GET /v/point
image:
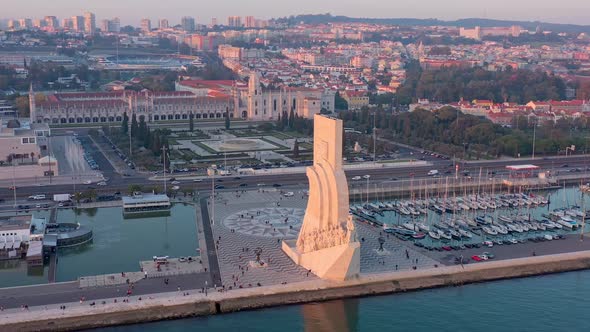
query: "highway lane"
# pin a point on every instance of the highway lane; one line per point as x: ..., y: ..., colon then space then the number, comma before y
x: 445, y: 167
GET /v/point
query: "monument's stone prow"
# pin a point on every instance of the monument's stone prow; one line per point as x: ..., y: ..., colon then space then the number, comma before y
x: 327, y: 243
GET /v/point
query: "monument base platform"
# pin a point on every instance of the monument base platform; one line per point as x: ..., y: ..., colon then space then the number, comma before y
x: 338, y: 263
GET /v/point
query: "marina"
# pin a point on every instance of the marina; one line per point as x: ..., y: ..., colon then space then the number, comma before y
x: 442, y: 222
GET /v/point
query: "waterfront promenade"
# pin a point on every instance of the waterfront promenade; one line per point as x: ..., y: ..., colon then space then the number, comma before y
x: 177, y: 304
x: 262, y: 218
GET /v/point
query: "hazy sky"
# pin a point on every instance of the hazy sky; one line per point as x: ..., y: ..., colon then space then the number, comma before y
x: 131, y: 11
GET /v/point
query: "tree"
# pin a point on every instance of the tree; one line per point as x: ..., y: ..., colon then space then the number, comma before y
x: 142, y: 129
x: 22, y: 105
x: 339, y: 102
x: 134, y: 188
x: 134, y: 126
x: 227, y: 121
x: 291, y: 119
x: 125, y: 123
x: 191, y: 122
x: 296, y: 149
x: 32, y: 157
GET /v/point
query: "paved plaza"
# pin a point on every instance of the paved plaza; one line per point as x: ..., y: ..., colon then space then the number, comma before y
x: 247, y: 220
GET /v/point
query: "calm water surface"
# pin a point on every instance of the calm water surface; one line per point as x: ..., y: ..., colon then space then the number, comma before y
x: 548, y: 303
x: 118, y: 245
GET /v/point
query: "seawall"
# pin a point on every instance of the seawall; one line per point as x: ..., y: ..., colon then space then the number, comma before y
x: 172, y: 306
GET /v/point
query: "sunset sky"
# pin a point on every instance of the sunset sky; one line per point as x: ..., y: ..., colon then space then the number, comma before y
x: 131, y: 11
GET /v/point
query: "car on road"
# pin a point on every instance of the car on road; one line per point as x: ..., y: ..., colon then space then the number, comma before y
x: 101, y: 183
x: 175, y: 188
x: 564, y: 166
x: 488, y: 255
x: 198, y: 180
x: 219, y: 187
x: 476, y: 258
x: 175, y: 182
x: 356, y: 178
x: 289, y: 194
x: 243, y: 184
x: 237, y: 178
x: 88, y: 182
x: 12, y: 187
x: 38, y: 206
x: 37, y: 197
x: 366, y: 176
x: 488, y: 244
x: 276, y: 185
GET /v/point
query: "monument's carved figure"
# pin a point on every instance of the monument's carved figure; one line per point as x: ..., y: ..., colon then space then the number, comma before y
x: 327, y: 242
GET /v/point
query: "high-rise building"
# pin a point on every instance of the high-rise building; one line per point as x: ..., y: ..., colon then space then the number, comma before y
x: 67, y: 23
x: 234, y: 21
x: 250, y: 22
x: 51, y: 22
x: 78, y: 23
x: 89, y: 23
x: 146, y: 25
x: 38, y: 23
x: 113, y: 25
x: 13, y: 25
x: 163, y: 24
x: 188, y: 24
x: 214, y: 21
x: 25, y: 23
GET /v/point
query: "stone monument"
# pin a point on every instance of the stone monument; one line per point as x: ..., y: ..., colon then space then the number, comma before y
x: 327, y: 243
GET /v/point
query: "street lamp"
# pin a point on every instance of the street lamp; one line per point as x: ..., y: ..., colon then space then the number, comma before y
x: 367, y: 177
x: 211, y: 172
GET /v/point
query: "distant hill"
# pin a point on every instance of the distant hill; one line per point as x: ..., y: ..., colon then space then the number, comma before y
x: 467, y: 22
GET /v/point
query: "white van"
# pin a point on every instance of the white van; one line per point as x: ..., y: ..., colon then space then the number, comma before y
x: 433, y: 172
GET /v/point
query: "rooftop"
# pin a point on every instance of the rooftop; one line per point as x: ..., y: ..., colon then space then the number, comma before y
x: 145, y: 198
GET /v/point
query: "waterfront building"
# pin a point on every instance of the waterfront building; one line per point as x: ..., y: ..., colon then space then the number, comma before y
x: 14, y: 231
x: 141, y: 203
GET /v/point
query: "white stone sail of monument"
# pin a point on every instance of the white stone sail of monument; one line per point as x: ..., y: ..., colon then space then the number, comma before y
x: 327, y: 243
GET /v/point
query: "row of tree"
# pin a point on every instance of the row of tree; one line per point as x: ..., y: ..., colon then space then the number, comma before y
x: 451, y: 132
x: 451, y: 84
x: 292, y: 121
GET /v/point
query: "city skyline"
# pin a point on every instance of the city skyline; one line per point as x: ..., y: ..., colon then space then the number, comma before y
x: 569, y: 11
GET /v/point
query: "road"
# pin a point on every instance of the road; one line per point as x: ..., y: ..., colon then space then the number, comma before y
x: 118, y: 183
x: 47, y: 294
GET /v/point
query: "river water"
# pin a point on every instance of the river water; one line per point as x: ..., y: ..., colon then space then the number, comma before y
x: 547, y: 303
